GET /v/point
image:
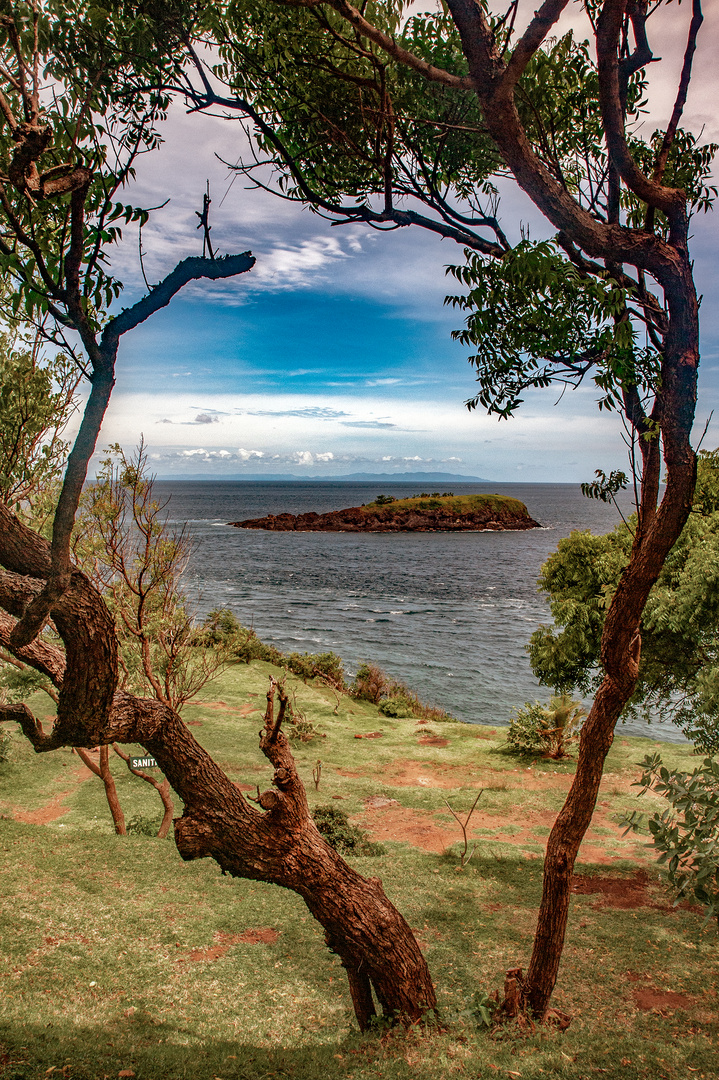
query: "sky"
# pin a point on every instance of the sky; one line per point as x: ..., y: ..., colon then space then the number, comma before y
x: 333, y: 355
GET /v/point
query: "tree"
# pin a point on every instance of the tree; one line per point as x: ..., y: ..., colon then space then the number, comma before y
x: 610, y: 296
x: 67, y: 149
x: 678, y: 676
x: 37, y: 398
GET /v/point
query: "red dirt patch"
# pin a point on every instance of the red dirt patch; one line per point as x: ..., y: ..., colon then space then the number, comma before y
x: 649, y: 998
x: 615, y: 892
x: 409, y: 826
x: 427, y: 774
x: 262, y: 935
x: 371, y: 735
x: 198, y: 955
x: 433, y: 740
x: 379, y: 802
x: 53, y: 809
x: 193, y: 723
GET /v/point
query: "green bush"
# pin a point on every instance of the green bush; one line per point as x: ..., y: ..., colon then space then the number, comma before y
x: 326, y: 666
x: 545, y: 729
x: 346, y: 839
x: 393, y: 698
x: 222, y: 628
x: 397, y: 707
x: 144, y: 826
x: 686, y: 834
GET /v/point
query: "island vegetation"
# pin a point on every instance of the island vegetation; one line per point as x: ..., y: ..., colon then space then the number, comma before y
x: 420, y: 513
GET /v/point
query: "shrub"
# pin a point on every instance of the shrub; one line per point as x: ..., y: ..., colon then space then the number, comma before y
x: 686, y: 834
x: 144, y: 826
x: 397, y: 707
x: 219, y: 626
x: 393, y: 698
x: 370, y: 684
x: 545, y: 729
x: 384, y: 500
x: 326, y: 666
x: 346, y: 839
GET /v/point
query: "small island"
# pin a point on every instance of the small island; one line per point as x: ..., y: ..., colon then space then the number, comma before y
x: 421, y: 513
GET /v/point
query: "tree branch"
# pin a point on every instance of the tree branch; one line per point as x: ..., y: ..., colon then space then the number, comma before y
x: 670, y: 201
x: 191, y: 269
x: 685, y: 78
x: 397, y: 52
x: 531, y: 39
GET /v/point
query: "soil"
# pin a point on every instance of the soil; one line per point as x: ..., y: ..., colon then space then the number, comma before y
x: 433, y: 740
x: 414, y: 827
x: 625, y: 893
x: 431, y: 833
x: 222, y: 706
x: 649, y: 998
x: 53, y: 809
x: 615, y: 892
x: 262, y: 935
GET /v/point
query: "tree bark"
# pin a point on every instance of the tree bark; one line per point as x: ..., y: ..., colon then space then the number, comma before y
x: 103, y: 771
x: 276, y: 842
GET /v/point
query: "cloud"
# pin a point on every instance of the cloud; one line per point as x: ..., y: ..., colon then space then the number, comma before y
x: 367, y: 424
x: 246, y: 455
x: 310, y: 412
x: 206, y: 418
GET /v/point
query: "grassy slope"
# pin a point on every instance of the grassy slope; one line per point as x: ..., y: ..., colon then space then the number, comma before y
x: 104, y: 962
x: 458, y: 504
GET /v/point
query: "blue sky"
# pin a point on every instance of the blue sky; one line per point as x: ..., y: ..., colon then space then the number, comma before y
x: 334, y: 354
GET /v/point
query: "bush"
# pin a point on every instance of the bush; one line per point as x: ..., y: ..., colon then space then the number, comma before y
x: 546, y: 729
x: 370, y: 684
x: 397, y: 707
x: 393, y: 698
x: 5, y: 741
x: 686, y: 834
x: 222, y: 628
x: 326, y: 666
x: 384, y: 500
x: 346, y: 839
x: 144, y: 826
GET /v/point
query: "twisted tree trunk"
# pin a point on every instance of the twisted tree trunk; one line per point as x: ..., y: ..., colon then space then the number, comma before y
x: 276, y: 842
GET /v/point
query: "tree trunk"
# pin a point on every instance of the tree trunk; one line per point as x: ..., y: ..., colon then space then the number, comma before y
x: 657, y: 531
x: 162, y: 789
x: 276, y: 842
x: 103, y: 771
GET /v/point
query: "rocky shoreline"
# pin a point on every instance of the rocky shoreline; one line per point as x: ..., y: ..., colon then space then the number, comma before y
x: 476, y: 513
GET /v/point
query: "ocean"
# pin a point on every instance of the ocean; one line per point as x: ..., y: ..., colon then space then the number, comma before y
x: 449, y: 614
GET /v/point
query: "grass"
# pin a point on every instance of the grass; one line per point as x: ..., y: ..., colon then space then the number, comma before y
x: 117, y: 956
x: 458, y: 504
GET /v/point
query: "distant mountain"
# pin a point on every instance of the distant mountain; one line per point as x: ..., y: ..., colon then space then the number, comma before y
x: 357, y: 478
x: 408, y: 477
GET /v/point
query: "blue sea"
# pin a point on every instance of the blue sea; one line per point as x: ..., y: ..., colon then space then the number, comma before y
x: 449, y: 614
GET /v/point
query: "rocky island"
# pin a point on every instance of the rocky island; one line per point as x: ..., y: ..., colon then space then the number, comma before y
x: 421, y: 513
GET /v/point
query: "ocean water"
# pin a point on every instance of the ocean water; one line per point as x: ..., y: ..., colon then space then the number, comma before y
x: 450, y: 614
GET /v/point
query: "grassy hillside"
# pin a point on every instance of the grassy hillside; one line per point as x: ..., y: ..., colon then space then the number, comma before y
x: 117, y: 956
x: 457, y: 504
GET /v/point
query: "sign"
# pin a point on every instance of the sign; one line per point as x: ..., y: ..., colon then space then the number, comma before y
x: 143, y: 763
